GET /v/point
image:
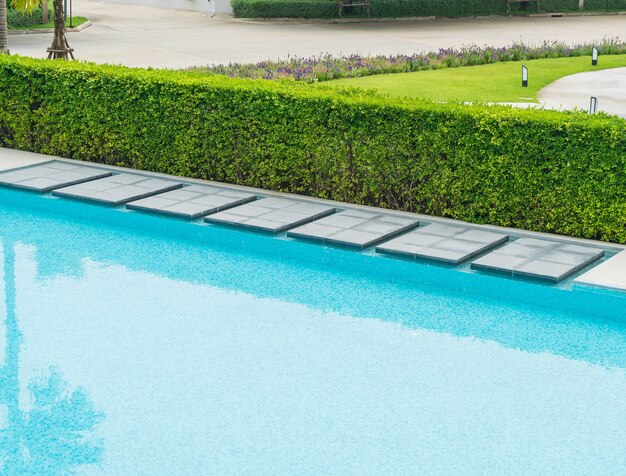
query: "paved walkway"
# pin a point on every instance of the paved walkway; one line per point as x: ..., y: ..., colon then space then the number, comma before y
x: 141, y: 36
x: 609, y: 86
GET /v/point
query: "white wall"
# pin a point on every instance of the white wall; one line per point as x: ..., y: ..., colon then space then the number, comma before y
x: 207, y: 6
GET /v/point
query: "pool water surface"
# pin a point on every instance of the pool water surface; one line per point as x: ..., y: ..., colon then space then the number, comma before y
x: 134, y: 344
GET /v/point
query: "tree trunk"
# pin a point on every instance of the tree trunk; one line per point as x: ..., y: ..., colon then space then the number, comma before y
x: 59, y: 49
x: 4, y: 47
x: 45, y: 19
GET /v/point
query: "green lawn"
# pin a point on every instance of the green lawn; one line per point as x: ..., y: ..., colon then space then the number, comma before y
x: 498, y: 82
x: 76, y: 21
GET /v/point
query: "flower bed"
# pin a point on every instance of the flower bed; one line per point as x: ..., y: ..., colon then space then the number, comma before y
x: 327, y: 67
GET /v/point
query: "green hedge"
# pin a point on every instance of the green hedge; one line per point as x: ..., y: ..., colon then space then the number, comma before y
x: 408, y: 8
x: 284, y: 8
x: 16, y: 19
x: 538, y: 170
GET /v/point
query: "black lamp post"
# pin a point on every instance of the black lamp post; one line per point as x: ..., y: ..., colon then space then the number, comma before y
x: 593, y: 105
x: 524, y: 76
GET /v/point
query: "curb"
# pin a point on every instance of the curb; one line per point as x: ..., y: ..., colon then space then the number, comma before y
x: 81, y: 27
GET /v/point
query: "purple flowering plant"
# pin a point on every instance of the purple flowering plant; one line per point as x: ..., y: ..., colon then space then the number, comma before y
x: 326, y: 67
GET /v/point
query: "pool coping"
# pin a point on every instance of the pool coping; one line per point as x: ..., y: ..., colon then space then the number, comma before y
x: 614, y: 280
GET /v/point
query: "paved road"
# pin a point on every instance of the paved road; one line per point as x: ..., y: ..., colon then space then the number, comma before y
x: 141, y: 36
x: 608, y: 85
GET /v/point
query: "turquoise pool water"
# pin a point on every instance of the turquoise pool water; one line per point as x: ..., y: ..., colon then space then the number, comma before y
x: 133, y: 344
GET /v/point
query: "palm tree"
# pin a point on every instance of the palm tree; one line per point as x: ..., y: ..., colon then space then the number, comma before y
x: 22, y: 5
x: 3, y: 28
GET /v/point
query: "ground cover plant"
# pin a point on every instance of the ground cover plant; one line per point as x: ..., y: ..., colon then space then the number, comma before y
x: 496, y: 82
x: 327, y: 67
x: 538, y: 170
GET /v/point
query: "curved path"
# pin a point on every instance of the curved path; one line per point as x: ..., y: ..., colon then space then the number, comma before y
x: 608, y: 85
x: 140, y: 36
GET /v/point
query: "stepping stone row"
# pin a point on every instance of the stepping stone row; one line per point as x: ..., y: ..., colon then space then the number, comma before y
x: 394, y: 235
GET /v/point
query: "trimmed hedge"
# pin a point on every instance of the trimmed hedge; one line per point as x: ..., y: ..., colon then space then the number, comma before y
x: 437, y: 8
x: 538, y: 170
x: 409, y: 8
x: 284, y: 8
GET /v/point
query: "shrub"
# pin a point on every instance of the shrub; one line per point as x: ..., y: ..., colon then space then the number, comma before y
x: 17, y: 19
x: 539, y: 170
x: 410, y: 8
x: 284, y: 8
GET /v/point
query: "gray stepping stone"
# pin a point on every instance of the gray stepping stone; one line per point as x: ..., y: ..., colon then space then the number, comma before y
x: 271, y: 214
x: 356, y: 228
x: 50, y: 175
x: 193, y: 201
x: 118, y: 189
x: 441, y: 242
x: 540, y: 259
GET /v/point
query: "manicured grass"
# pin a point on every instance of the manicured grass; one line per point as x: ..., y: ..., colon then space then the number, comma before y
x: 76, y: 21
x: 497, y: 82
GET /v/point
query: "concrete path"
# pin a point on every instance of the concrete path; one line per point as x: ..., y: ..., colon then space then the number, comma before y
x: 140, y: 36
x: 609, y: 86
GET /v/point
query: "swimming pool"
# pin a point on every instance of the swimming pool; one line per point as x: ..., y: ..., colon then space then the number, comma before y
x: 135, y: 344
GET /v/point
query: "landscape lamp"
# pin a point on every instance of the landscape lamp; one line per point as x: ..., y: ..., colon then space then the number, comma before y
x: 593, y: 105
x: 594, y: 56
x: 524, y: 76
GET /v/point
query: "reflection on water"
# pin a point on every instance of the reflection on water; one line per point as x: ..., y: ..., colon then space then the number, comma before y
x: 52, y: 437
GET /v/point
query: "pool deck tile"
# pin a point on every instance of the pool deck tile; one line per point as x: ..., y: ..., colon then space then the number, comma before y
x: 50, y: 176
x: 193, y: 201
x: 448, y: 243
x: 118, y: 189
x: 354, y: 228
x: 609, y: 274
x: 272, y: 215
x: 12, y: 159
x: 540, y: 259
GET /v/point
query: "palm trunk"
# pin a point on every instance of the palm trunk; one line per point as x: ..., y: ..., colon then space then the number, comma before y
x: 45, y: 19
x: 4, y: 36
